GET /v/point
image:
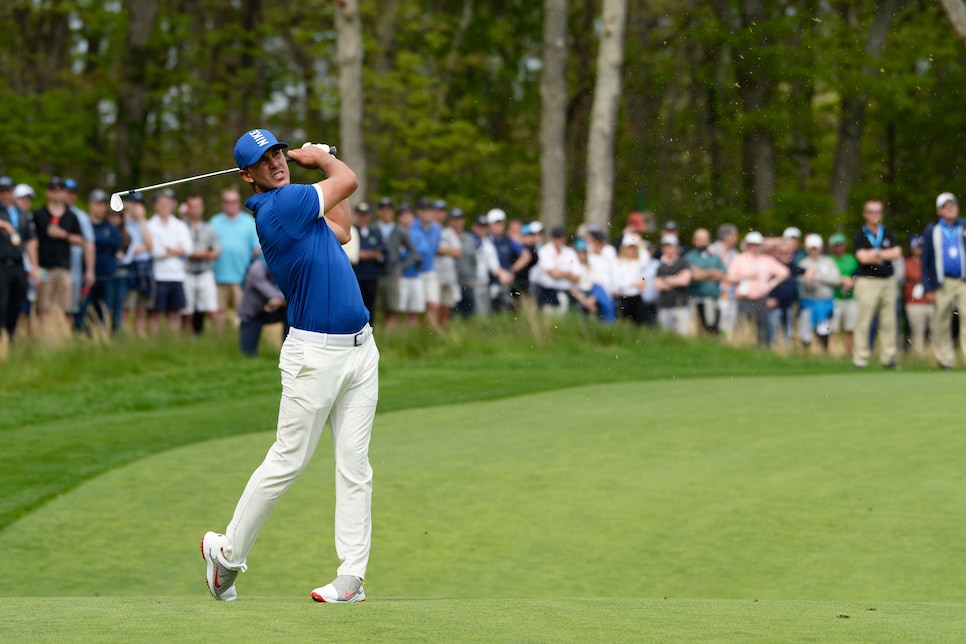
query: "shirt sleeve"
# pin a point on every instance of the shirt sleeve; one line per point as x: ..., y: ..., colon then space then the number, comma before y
x: 298, y: 207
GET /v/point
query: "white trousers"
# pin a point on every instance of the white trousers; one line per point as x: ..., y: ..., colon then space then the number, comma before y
x: 319, y: 383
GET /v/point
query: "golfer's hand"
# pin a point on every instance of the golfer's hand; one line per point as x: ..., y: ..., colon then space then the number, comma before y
x: 311, y: 155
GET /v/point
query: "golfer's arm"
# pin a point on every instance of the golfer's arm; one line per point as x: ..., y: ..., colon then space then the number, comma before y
x: 340, y: 182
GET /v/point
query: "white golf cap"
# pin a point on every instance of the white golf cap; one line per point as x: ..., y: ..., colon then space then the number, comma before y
x: 791, y: 231
x: 813, y: 241
x: 669, y: 240
x: 495, y: 215
x: 945, y: 197
x: 23, y: 190
x: 632, y: 239
x: 754, y: 237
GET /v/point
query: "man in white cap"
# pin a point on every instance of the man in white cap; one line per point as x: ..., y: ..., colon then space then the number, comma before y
x: 944, y: 274
x: 672, y: 279
x: 512, y: 257
x: 754, y: 274
x: 817, y: 292
x: 793, y: 236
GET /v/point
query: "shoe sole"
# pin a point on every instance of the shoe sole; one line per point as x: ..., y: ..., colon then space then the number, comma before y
x: 362, y: 597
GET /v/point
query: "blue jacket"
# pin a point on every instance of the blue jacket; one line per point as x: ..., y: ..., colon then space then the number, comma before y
x: 932, y: 255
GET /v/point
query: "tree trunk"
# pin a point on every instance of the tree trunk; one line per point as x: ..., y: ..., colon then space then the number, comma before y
x: 132, y: 99
x: 553, y: 114
x: 853, y: 110
x: 956, y: 10
x: 350, y: 53
x: 603, y: 117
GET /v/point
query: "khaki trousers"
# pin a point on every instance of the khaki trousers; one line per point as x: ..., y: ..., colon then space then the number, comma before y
x: 875, y: 295
x: 950, y: 291
x: 920, y: 318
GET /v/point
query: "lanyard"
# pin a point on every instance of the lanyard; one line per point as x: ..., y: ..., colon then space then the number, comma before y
x: 875, y: 240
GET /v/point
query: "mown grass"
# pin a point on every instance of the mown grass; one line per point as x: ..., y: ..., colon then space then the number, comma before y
x: 63, y: 405
x: 697, y: 493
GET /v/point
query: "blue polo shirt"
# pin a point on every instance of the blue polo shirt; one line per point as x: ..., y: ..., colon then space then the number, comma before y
x: 309, y: 265
x: 426, y: 243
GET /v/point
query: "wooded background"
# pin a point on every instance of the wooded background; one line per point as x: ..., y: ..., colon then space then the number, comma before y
x: 765, y: 113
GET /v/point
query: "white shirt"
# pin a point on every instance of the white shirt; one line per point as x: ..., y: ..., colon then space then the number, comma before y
x: 172, y: 234
x: 629, y: 277
x: 550, y: 258
x: 603, y: 268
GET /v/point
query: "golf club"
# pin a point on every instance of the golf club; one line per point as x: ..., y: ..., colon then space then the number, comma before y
x: 117, y: 199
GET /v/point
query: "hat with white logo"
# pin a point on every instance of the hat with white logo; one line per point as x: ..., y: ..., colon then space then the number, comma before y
x: 252, y: 145
x: 754, y: 237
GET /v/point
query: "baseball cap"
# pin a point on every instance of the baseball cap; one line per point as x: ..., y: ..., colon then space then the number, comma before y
x: 423, y: 203
x: 813, y: 241
x: 134, y: 196
x: 754, y: 237
x: 596, y: 232
x: 167, y: 192
x: 837, y: 238
x: 404, y: 207
x: 495, y: 215
x: 632, y: 239
x: 669, y: 240
x: 252, y: 145
x: 580, y: 244
x: 23, y: 190
x: 56, y: 183
x: 536, y: 228
x: 636, y: 221
x: 670, y: 224
x: 97, y: 196
x: 439, y: 204
x: 943, y: 198
x: 71, y: 185
x: 558, y: 231
x: 385, y: 202
x: 6, y: 183
x: 482, y: 221
x: 916, y: 241
x: 456, y: 213
x: 792, y: 231
x: 363, y: 207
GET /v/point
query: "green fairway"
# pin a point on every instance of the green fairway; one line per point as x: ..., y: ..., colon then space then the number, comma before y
x: 693, y: 507
x: 260, y: 619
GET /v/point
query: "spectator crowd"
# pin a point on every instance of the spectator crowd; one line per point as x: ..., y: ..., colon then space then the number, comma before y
x: 166, y: 263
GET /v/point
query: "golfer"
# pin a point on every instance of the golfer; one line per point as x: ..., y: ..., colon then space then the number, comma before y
x: 329, y: 361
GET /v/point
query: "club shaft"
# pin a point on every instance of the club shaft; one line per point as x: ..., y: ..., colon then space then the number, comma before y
x: 177, y: 181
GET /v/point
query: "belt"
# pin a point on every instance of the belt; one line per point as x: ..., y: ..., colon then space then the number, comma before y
x: 333, y: 339
x: 12, y: 262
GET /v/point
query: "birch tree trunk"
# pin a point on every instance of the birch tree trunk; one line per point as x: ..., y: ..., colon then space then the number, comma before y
x: 553, y: 114
x: 603, y: 116
x: 956, y: 10
x: 350, y: 53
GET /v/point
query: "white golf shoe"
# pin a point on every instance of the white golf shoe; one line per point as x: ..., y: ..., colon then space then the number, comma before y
x: 220, y: 575
x: 343, y: 589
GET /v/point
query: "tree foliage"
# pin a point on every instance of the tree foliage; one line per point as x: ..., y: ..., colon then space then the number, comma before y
x: 730, y: 109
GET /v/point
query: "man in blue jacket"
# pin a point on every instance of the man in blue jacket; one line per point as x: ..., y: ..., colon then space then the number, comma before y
x: 944, y: 273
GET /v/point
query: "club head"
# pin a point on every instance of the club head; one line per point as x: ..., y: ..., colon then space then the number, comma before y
x: 117, y: 204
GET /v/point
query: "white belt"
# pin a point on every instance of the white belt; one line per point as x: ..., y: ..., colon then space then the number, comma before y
x: 333, y: 339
